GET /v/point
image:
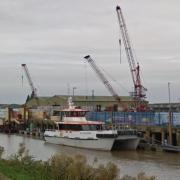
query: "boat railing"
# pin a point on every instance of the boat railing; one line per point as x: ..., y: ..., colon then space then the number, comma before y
x: 123, y: 129
x: 51, y: 130
x: 122, y: 126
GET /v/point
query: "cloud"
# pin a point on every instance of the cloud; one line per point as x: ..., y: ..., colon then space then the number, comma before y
x: 53, y: 36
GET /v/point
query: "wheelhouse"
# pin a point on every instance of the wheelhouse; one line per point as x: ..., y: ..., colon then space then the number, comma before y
x: 71, y: 126
x: 73, y: 113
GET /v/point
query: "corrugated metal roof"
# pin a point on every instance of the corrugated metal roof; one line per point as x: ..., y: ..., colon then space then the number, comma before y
x: 80, y: 100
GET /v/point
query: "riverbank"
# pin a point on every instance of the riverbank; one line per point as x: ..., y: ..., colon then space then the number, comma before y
x: 21, y: 166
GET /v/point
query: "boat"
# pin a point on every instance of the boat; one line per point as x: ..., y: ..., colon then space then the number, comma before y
x: 127, y: 138
x: 75, y: 130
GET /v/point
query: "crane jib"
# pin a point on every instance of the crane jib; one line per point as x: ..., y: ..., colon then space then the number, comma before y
x: 139, y: 90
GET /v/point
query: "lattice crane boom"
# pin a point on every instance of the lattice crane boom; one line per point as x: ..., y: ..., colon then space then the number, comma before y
x: 33, y: 89
x: 139, y: 90
x: 102, y: 77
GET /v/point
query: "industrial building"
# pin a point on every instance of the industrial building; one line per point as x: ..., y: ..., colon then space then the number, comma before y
x: 165, y: 107
x: 96, y: 103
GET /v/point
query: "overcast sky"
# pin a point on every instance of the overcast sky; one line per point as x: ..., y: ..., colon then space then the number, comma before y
x: 53, y: 36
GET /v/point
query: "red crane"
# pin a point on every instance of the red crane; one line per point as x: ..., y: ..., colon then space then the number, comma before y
x: 34, y: 91
x: 139, y: 90
x: 102, y: 78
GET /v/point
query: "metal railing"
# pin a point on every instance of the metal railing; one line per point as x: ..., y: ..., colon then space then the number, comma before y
x: 136, y: 118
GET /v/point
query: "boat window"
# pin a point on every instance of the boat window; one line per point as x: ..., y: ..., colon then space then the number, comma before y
x: 57, y: 127
x: 82, y: 114
x: 93, y: 127
x: 56, y: 113
x: 86, y: 128
x: 70, y: 114
x: 67, y: 126
x: 103, y: 127
x: 98, y: 127
x: 73, y: 127
x: 67, y: 114
x: 61, y: 127
x: 64, y: 113
x: 73, y: 113
x: 76, y: 127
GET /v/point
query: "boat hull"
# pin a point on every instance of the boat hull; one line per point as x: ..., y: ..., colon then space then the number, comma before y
x: 104, y: 144
x: 126, y: 143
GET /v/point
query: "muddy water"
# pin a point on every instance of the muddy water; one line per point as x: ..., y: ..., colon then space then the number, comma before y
x: 165, y: 166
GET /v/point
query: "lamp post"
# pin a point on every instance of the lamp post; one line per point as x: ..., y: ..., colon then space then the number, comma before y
x: 73, y: 91
x: 170, y: 115
x: 93, y: 99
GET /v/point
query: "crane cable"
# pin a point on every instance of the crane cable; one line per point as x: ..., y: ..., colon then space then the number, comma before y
x: 120, y: 50
x: 135, y: 56
x: 113, y: 79
x: 22, y: 78
x: 85, y: 79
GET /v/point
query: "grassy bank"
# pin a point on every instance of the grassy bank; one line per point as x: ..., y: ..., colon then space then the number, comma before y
x: 60, y: 167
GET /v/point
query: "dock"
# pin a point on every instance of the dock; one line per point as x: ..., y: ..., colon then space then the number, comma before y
x: 171, y: 148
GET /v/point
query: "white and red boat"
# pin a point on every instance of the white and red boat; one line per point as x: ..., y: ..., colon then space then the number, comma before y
x: 76, y: 131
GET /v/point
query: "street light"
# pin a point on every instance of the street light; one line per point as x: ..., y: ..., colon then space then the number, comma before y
x: 92, y: 93
x: 93, y: 99
x: 169, y: 95
x: 73, y: 91
x: 170, y: 115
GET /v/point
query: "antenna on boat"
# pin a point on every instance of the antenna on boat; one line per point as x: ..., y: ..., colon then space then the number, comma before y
x: 70, y: 102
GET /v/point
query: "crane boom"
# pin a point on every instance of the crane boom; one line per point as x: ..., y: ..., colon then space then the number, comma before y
x: 102, y: 77
x: 139, y: 90
x: 34, y: 91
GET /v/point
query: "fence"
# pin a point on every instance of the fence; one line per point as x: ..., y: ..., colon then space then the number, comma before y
x: 136, y: 118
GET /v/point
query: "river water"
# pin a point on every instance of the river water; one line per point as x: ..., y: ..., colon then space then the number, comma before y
x: 165, y: 166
